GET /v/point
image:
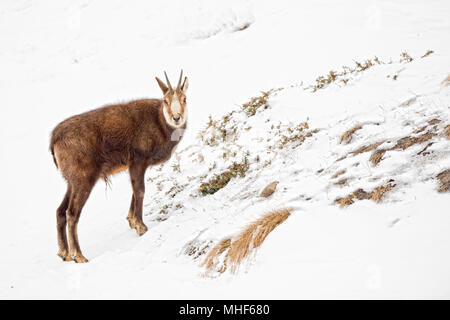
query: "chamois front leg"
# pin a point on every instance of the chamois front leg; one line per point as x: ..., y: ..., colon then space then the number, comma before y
x: 137, y: 174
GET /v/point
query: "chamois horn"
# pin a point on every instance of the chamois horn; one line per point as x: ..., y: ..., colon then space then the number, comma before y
x: 179, y: 81
x: 168, y: 83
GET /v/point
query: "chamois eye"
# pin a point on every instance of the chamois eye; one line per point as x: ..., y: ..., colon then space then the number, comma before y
x: 165, y: 101
x: 184, y: 100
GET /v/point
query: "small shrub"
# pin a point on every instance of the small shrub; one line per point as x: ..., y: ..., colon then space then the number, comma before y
x: 221, y: 180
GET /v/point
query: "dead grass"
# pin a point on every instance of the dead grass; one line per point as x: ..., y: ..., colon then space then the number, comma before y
x: 408, y: 102
x: 427, y: 53
x: 405, y: 57
x: 255, y: 103
x: 376, y: 195
x: 434, y: 121
x: 341, y: 182
x: 376, y: 156
x: 245, y: 243
x: 360, y: 194
x: 444, y: 179
x: 337, y: 174
x: 447, y: 132
x: 196, y: 249
x: 210, y: 261
x: 221, y: 180
x: 332, y: 76
x: 367, y: 148
x: 346, y: 201
x: 244, y: 27
x: 347, y: 136
x: 379, y: 192
x: 446, y: 80
x: 406, y: 142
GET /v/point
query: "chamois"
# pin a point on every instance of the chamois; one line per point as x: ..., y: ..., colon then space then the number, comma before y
x: 110, y: 139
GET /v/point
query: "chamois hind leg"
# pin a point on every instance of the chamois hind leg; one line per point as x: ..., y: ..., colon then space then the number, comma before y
x: 63, y: 251
x: 80, y: 193
x: 131, y: 219
x: 137, y: 174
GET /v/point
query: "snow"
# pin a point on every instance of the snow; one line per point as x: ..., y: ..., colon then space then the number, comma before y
x: 61, y: 58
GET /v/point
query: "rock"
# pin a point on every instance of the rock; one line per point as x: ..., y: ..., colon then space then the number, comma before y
x: 269, y: 189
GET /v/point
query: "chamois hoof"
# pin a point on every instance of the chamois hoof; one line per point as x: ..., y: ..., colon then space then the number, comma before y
x: 64, y: 256
x: 80, y: 259
x: 131, y: 222
x: 141, y: 229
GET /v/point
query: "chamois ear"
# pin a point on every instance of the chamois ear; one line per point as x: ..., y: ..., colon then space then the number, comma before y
x: 185, y: 85
x: 163, y: 87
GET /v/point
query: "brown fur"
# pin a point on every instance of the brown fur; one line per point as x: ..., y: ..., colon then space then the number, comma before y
x: 103, y: 142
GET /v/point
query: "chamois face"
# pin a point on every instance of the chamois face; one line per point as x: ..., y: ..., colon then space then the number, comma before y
x: 174, y: 102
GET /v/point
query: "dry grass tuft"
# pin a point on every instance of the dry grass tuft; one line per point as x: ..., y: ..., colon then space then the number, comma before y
x: 341, y: 182
x: 348, y: 135
x: 427, y: 53
x: 248, y: 240
x: 406, y: 142
x: 446, y: 80
x: 221, y: 180
x: 447, y: 131
x: 360, y: 194
x: 379, y: 192
x: 244, y: 27
x: 367, y: 148
x: 405, y: 57
x: 346, y: 201
x: 255, y: 103
x: 434, y: 121
x: 444, y: 178
x: 408, y: 102
x: 210, y: 261
x: 376, y: 156
x: 337, y: 174
x: 376, y: 195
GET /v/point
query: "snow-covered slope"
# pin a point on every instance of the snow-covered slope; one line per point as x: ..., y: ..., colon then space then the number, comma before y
x: 58, y: 59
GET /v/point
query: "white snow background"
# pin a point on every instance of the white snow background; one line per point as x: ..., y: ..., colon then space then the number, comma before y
x: 60, y: 58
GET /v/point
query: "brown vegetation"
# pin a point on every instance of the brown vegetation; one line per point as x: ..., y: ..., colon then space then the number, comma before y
x: 444, y: 179
x: 248, y: 240
x: 337, y: 174
x: 341, y: 182
x: 376, y: 195
x: 257, y: 102
x: 447, y: 131
x: 446, y: 80
x: 367, y: 148
x: 427, y: 53
x: 376, y: 156
x: 346, y: 137
x: 221, y: 180
x: 406, y: 142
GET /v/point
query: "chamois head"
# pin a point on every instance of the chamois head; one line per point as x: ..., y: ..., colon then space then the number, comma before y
x: 174, y: 101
